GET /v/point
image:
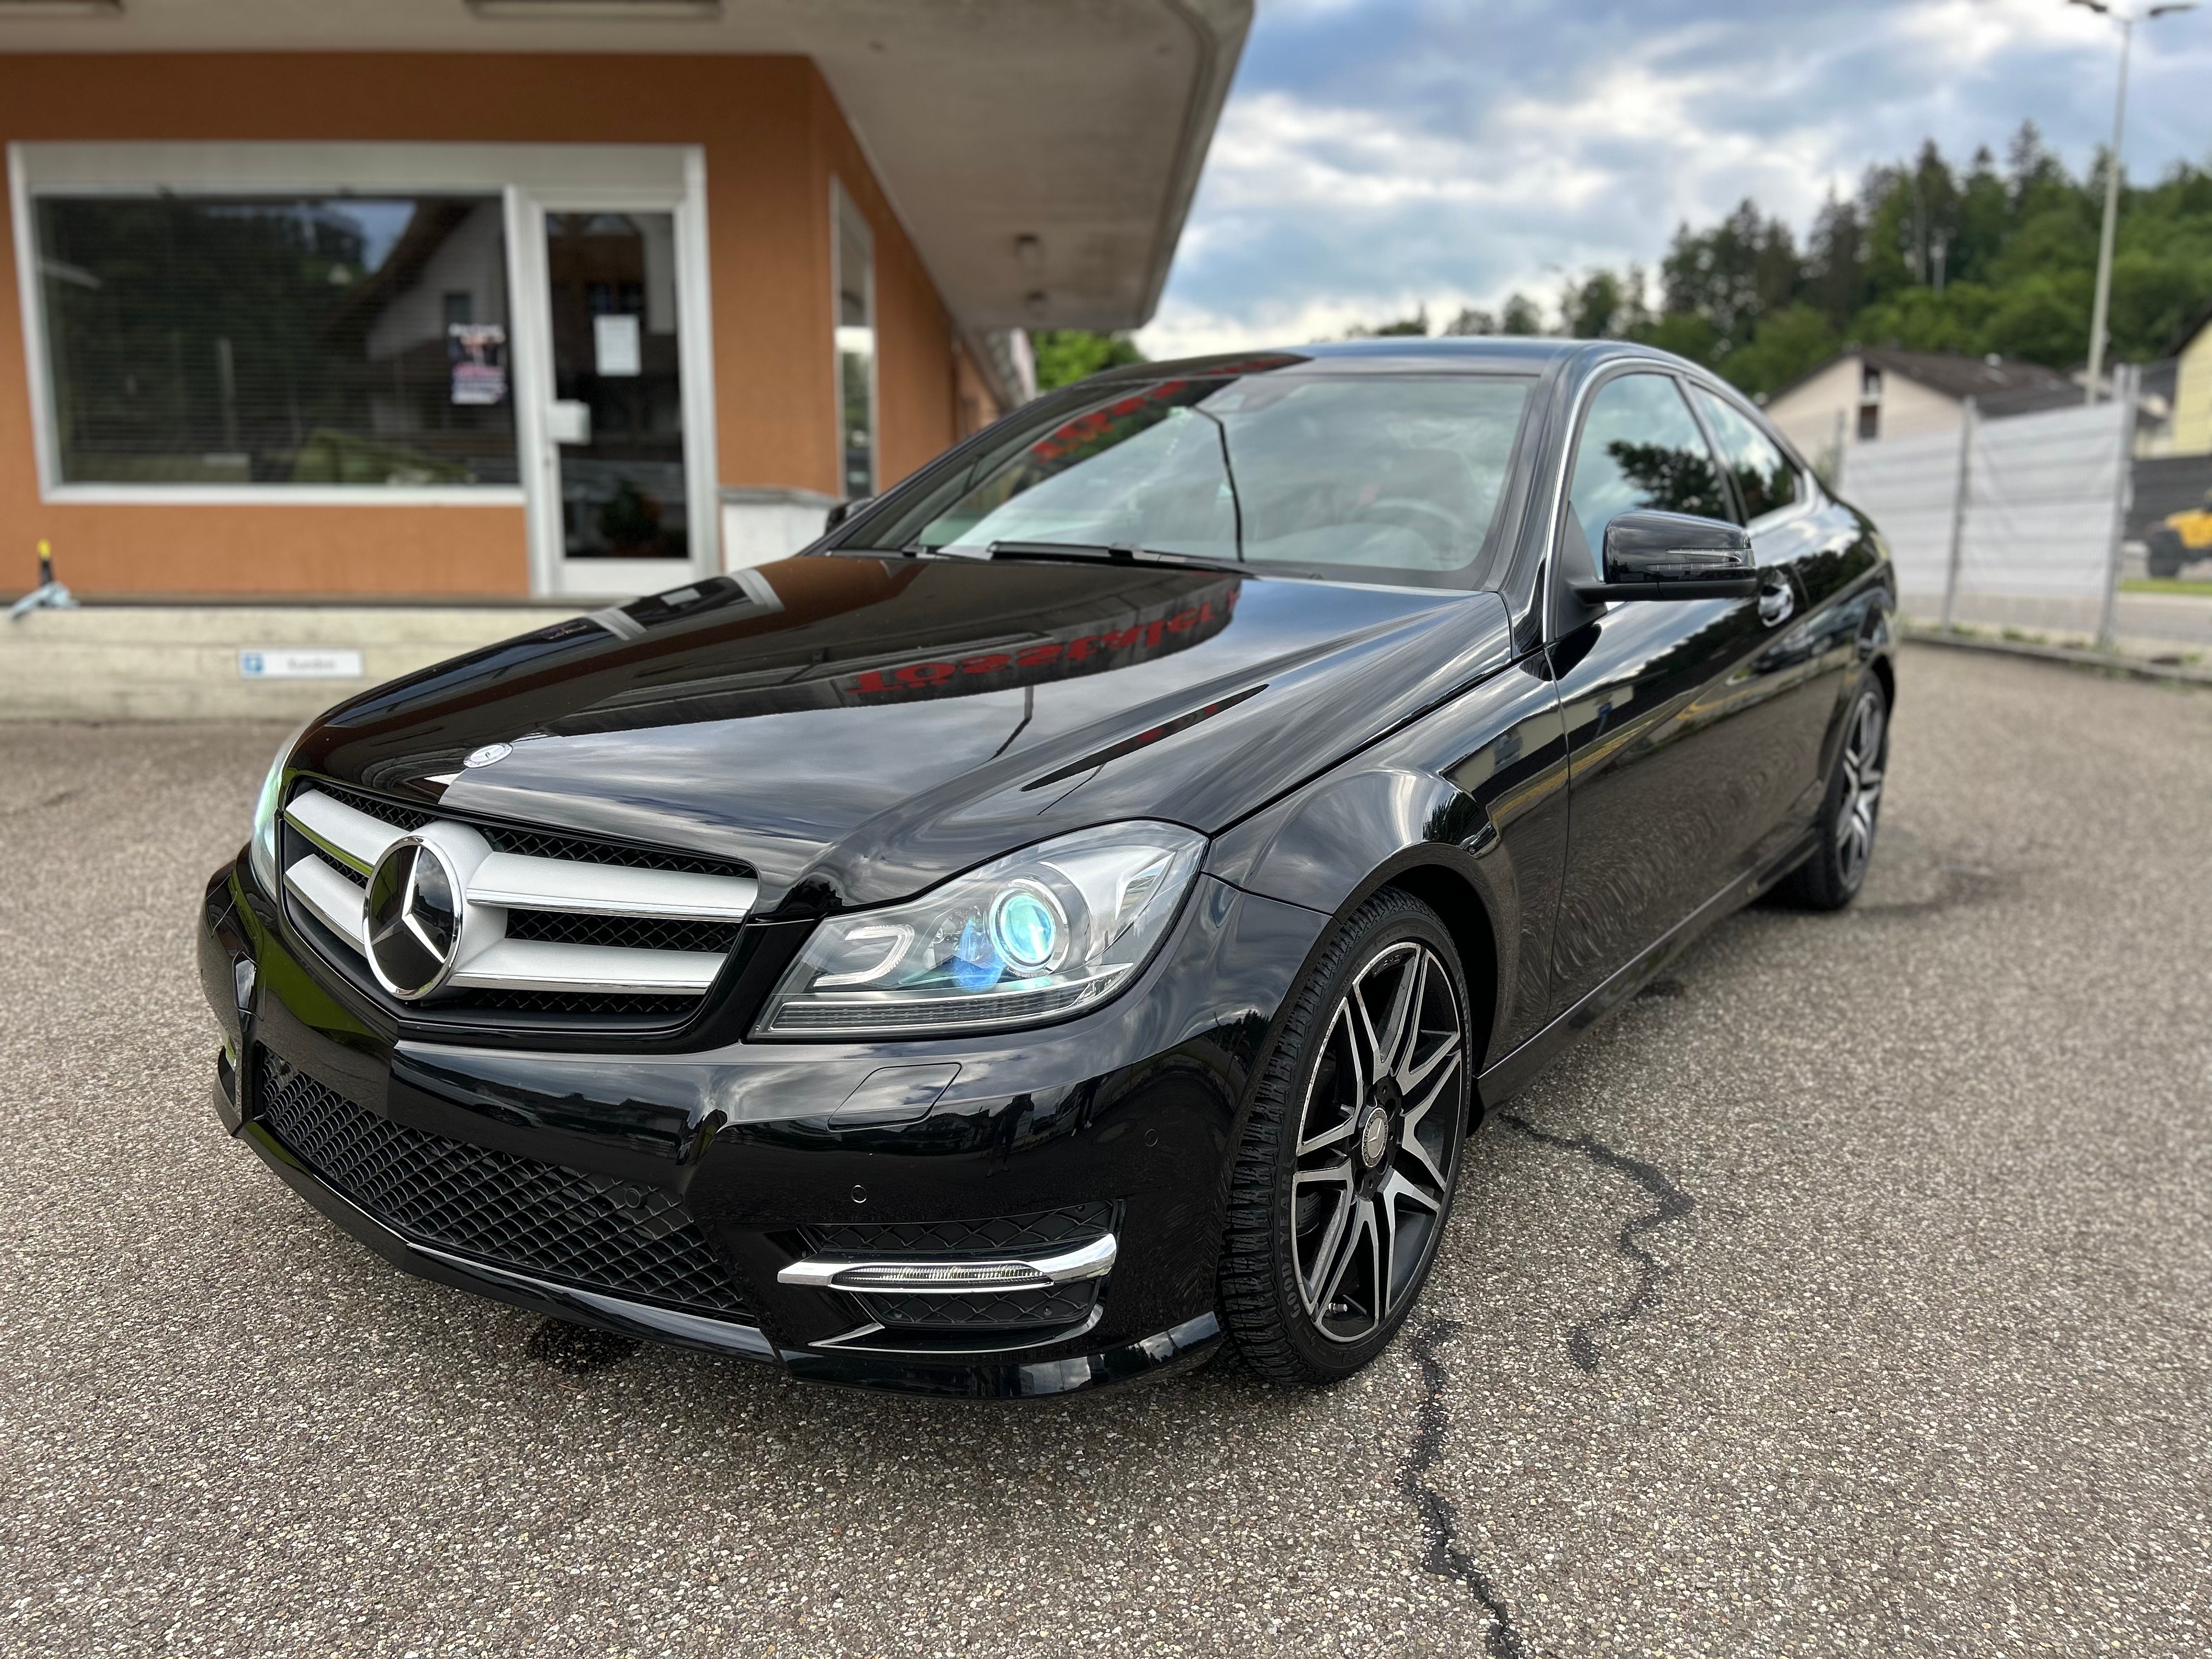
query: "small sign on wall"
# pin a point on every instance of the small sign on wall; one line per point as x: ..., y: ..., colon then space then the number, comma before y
x: 280, y: 662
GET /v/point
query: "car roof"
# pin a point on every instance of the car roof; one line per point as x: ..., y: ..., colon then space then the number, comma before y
x: 1526, y: 354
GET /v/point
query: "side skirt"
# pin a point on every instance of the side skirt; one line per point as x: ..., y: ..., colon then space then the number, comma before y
x: 1509, y: 1076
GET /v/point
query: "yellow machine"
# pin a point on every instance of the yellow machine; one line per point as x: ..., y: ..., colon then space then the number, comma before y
x: 2181, y: 536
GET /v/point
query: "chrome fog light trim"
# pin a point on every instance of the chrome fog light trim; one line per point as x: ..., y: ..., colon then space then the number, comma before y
x: 1092, y: 1259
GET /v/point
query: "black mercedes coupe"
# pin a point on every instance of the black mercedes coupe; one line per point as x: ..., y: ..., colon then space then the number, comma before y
x: 1074, y: 914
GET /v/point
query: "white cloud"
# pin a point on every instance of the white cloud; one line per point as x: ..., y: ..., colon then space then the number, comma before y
x: 1382, y: 156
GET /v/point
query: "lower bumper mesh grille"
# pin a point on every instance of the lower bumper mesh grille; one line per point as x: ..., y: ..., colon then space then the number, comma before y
x: 1063, y: 1304
x: 543, y: 1219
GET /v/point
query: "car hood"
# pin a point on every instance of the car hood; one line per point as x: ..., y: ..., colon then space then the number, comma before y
x: 857, y: 729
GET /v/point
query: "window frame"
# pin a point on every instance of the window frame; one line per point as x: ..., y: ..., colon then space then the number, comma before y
x: 845, y: 212
x: 519, y: 176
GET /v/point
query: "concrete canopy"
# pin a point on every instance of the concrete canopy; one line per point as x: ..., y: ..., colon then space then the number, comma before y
x: 1042, y: 153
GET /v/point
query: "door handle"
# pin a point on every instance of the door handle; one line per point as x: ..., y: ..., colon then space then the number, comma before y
x: 1777, y: 598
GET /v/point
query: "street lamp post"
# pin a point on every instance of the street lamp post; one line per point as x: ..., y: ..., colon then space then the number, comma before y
x: 2100, y: 309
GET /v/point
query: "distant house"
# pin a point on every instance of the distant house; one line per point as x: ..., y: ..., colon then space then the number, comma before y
x: 2191, y: 351
x: 1871, y: 392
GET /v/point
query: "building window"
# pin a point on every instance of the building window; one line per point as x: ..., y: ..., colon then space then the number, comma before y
x: 278, y: 339
x: 1869, y: 423
x: 855, y: 265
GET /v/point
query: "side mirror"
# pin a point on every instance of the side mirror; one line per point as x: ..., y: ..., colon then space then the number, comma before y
x: 1674, y: 556
x: 843, y: 511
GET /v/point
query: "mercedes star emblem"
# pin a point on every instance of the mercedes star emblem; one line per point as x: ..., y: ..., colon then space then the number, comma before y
x: 414, y: 915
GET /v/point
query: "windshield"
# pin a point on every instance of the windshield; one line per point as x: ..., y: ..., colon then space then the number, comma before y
x: 1386, y: 478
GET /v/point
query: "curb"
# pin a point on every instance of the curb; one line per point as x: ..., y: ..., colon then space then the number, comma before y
x: 2136, y: 667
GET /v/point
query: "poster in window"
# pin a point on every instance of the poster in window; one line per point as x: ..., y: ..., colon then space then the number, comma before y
x: 478, y: 353
x: 615, y: 340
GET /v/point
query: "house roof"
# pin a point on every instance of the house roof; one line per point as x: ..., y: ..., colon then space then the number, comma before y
x: 2189, y: 331
x: 1957, y: 375
x: 1952, y: 373
x: 1043, y: 157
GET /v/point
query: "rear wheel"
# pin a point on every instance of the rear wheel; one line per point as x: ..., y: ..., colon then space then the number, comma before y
x: 1831, y: 877
x: 1345, y: 1174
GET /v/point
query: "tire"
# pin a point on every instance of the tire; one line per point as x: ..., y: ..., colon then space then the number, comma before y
x: 1338, y: 1149
x: 2164, y: 553
x: 1851, y: 811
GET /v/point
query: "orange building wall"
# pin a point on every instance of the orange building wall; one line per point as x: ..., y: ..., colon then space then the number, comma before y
x: 772, y: 135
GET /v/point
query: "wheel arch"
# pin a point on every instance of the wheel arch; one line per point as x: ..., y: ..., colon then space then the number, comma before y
x: 1336, y: 847
x: 1459, y: 906
x: 1883, y: 671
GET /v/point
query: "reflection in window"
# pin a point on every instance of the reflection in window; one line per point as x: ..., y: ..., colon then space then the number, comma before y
x: 1641, y: 449
x: 856, y: 351
x: 1764, y: 477
x: 1385, y: 472
x: 277, y: 340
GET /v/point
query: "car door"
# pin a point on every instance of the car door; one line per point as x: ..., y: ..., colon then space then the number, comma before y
x: 1677, y: 770
x: 1802, y: 675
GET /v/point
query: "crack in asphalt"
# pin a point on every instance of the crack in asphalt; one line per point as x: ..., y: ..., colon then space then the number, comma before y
x: 1439, y: 1515
x: 1673, y: 1204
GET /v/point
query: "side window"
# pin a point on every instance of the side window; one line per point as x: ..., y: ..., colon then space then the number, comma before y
x: 1764, y: 477
x: 1640, y: 448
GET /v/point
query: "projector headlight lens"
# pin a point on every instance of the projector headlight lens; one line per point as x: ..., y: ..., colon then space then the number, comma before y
x: 1038, y: 935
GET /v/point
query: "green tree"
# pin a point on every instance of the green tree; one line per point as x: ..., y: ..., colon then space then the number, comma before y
x: 1520, y: 316
x: 1065, y: 355
x: 1926, y: 256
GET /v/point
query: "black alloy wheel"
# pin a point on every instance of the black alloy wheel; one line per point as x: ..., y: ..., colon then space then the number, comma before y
x: 1344, y: 1178
x: 1831, y: 877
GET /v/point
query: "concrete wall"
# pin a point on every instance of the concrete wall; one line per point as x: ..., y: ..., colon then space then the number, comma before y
x: 773, y: 137
x: 177, y: 662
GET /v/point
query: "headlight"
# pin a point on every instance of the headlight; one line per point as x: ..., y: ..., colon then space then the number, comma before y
x: 262, y: 849
x: 1037, y: 935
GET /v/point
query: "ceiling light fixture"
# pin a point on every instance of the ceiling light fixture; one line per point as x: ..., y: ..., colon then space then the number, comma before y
x: 61, y: 7
x: 598, y: 11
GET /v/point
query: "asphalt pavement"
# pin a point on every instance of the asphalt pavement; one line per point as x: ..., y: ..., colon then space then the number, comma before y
x: 1846, y: 1294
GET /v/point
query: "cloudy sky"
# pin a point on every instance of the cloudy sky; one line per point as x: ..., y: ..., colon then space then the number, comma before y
x: 1378, y: 155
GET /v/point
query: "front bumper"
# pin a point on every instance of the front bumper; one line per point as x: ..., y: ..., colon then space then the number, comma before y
x: 1130, y: 1111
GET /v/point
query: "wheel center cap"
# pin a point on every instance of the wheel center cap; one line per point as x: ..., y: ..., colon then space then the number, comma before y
x: 1374, y: 1137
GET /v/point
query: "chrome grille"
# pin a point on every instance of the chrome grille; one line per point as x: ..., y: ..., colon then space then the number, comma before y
x: 539, y: 843
x: 586, y: 928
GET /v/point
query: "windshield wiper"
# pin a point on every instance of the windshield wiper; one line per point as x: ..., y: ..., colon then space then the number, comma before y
x: 1104, y: 553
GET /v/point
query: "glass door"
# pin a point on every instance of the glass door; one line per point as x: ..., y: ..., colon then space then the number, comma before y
x: 620, y: 499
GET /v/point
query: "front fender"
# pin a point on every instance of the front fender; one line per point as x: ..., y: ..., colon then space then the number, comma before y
x: 1466, y: 805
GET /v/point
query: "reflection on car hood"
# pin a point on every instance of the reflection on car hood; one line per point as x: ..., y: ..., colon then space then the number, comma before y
x: 867, y: 727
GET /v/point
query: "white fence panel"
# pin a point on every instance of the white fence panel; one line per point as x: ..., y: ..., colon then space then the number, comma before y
x: 2044, y: 495
x: 1909, y: 487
